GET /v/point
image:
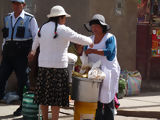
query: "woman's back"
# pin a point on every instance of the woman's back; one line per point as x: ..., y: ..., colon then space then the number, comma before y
x: 53, y: 51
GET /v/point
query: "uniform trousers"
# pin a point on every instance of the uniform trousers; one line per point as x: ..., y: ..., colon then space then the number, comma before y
x: 18, y: 64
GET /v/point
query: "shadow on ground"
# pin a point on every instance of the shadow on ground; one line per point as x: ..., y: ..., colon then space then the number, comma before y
x: 10, y: 117
x: 143, y: 114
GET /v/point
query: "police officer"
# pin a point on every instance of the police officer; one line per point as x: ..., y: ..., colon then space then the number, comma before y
x: 19, y: 30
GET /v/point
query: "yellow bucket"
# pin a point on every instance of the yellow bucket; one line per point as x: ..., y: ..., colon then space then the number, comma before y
x: 84, y: 110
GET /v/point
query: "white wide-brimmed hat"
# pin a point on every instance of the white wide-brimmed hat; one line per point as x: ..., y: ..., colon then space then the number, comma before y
x: 57, y: 11
x: 97, y: 17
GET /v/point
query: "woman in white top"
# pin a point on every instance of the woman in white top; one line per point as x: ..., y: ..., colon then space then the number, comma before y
x: 105, y: 50
x: 53, y: 40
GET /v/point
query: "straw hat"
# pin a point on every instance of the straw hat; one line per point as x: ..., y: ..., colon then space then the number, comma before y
x: 57, y: 11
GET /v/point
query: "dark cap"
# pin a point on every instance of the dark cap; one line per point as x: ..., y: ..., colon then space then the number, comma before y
x: 20, y: 1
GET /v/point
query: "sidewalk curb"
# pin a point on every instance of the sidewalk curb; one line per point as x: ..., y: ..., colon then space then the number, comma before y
x: 146, y: 114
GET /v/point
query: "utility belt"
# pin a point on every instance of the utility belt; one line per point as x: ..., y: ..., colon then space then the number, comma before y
x: 17, y: 48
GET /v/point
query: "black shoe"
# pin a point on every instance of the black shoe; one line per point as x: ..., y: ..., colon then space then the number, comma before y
x: 18, y: 112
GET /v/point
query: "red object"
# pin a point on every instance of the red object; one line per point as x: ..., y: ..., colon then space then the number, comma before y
x: 117, y: 104
x: 77, y: 68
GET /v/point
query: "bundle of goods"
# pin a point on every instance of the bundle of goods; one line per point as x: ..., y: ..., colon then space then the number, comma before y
x: 89, y: 70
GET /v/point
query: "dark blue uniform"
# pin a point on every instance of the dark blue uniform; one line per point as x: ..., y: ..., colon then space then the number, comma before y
x: 18, y: 41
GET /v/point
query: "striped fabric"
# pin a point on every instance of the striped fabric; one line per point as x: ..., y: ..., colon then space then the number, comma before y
x: 29, y: 108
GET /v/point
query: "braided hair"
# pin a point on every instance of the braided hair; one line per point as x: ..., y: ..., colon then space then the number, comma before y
x: 51, y: 19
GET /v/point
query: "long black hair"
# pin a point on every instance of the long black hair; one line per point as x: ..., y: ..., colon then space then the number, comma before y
x: 52, y: 19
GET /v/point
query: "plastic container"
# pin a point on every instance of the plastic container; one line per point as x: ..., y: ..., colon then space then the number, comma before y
x: 85, y: 90
x: 70, y: 69
x: 84, y: 110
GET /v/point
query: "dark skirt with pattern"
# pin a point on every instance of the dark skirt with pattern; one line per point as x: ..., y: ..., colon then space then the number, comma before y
x: 52, y: 87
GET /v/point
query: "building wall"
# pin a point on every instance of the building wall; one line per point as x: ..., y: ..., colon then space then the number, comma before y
x: 123, y: 25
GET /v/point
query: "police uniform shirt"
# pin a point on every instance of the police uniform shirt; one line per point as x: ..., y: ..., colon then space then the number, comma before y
x: 33, y: 26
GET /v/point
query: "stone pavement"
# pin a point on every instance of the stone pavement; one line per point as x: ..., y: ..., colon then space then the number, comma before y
x: 145, y: 106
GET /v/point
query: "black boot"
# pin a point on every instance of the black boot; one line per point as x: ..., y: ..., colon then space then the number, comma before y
x: 18, y: 112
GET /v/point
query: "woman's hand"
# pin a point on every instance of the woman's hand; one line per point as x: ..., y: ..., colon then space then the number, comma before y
x: 91, y: 45
x: 89, y: 51
x: 31, y: 56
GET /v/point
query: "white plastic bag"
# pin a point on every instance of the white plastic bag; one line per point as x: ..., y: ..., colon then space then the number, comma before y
x: 85, y: 66
x: 72, y: 58
x: 96, y: 72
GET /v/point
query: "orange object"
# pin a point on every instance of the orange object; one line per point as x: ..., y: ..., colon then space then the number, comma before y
x: 84, y: 110
x: 70, y: 97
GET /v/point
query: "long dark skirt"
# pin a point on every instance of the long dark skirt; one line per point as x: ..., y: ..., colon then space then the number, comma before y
x: 52, y: 87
